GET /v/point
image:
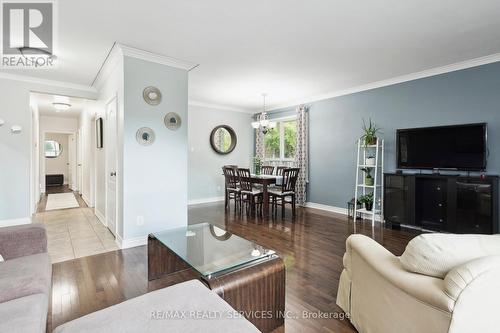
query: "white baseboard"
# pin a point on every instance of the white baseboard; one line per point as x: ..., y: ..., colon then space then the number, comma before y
x: 87, y: 201
x: 338, y: 210
x: 204, y: 201
x: 12, y: 222
x: 327, y: 208
x: 100, y: 217
x: 131, y: 242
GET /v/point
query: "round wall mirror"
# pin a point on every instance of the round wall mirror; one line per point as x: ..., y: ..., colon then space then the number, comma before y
x: 223, y: 139
x: 52, y: 149
x: 152, y: 95
x: 145, y: 136
x: 172, y: 121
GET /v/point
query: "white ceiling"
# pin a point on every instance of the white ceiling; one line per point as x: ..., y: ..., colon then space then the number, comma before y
x: 292, y: 50
x: 45, y: 107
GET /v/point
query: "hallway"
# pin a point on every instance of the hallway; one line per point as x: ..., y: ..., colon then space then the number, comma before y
x: 74, y: 233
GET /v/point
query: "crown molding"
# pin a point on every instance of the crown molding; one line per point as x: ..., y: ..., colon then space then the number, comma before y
x: 157, y: 58
x: 47, y: 82
x: 110, y: 62
x: 219, y: 107
x: 395, y: 80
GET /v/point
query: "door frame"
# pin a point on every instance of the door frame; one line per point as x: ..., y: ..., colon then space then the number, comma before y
x: 42, y: 154
x: 114, y: 100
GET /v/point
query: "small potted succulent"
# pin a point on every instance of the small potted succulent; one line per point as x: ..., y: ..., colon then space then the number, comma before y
x: 257, y: 163
x: 367, y: 200
x: 370, y: 160
x: 370, y: 133
x: 368, y: 176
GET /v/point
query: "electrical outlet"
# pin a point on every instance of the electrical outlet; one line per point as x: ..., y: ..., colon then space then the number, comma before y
x: 140, y: 220
x: 218, y: 188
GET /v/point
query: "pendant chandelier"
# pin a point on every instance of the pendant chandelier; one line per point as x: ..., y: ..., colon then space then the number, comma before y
x: 263, y: 123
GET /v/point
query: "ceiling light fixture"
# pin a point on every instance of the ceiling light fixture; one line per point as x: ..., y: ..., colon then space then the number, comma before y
x: 61, y: 106
x: 263, y: 123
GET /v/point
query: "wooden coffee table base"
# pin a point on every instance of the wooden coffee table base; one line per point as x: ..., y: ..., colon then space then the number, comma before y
x: 257, y: 291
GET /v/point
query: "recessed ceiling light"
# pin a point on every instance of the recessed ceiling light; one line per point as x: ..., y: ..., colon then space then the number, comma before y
x: 61, y: 106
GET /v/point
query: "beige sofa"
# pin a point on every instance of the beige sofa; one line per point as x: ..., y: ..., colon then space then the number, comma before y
x: 428, y: 289
x: 25, y: 279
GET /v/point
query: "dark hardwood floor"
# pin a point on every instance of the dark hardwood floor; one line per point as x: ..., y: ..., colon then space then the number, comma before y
x: 312, y: 249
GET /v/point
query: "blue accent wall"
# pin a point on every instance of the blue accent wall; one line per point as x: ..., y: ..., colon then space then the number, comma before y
x: 465, y: 96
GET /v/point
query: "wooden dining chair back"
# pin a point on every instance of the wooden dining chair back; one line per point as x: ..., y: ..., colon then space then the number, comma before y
x: 267, y: 170
x: 250, y: 196
x: 231, y: 177
x: 290, y: 176
x: 279, y: 196
x: 231, y: 183
x: 279, y: 170
x: 245, y: 181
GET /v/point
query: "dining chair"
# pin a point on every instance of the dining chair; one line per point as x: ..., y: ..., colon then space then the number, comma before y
x: 267, y: 170
x: 279, y: 170
x: 232, y: 190
x: 249, y: 195
x: 279, y: 195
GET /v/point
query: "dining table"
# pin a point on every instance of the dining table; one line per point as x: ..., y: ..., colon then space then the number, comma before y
x: 265, y: 181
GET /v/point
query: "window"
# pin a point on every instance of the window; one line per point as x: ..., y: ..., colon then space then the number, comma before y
x: 52, y: 149
x: 280, y: 142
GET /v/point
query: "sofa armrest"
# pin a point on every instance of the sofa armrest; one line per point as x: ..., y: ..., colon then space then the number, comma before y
x: 22, y: 240
x: 462, y: 276
x: 476, y: 288
x: 365, y: 251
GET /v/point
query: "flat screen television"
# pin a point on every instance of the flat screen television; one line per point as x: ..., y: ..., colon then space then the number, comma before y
x: 456, y: 147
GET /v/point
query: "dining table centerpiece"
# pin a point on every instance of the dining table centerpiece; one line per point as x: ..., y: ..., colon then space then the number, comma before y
x: 257, y: 163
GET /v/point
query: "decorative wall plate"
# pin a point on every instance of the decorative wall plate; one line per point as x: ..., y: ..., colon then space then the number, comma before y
x: 145, y: 136
x: 172, y: 121
x: 152, y: 95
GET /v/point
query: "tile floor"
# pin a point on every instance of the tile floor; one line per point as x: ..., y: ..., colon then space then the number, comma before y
x: 75, y: 233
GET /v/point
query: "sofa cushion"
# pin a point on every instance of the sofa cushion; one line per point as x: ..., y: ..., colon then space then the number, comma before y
x: 437, y: 254
x: 185, y: 307
x: 25, y: 276
x: 25, y: 314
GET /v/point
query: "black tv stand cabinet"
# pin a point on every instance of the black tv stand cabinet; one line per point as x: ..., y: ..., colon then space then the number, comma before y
x: 438, y: 202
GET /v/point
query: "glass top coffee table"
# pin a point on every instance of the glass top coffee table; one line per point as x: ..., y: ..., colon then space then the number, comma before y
x: 246, y: 275
x: 211, y: 250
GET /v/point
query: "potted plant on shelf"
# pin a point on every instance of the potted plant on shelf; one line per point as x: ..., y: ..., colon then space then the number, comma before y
x: 370, y: 135
x: 367, y: 200
x: 368, y: 176
x: 370, y: 160
x: 257, y: 163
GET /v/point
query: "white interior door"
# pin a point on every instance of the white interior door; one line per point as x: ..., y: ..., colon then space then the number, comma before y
x: 79, y: 169
x: 110, y: 146
x: 72, y: 173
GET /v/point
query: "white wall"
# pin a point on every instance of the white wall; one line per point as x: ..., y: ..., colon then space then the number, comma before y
x: 51, y: 124
x: 60, y: 164
x: 205, y: 166
x: 16, y: 149
x: 155, y: 176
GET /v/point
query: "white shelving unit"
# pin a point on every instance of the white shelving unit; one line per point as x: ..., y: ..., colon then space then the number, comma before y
x: 364, y: 151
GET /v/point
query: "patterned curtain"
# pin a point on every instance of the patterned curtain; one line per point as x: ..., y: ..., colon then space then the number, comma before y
x: 259, y: 142
x: 302, y: 154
